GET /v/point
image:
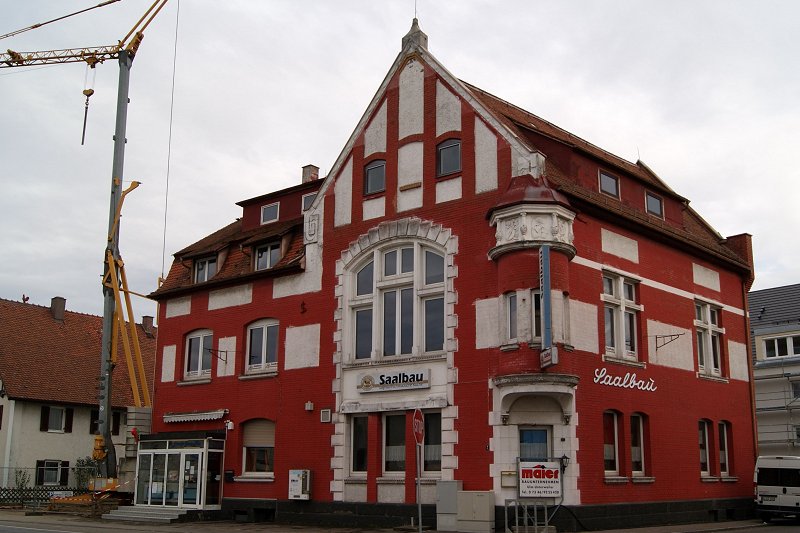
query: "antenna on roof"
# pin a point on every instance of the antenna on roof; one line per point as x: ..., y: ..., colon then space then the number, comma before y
x: 415, y: 8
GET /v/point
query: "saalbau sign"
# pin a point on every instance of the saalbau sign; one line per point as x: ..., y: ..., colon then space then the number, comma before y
x: 628, y: 381
x: 395, y: 380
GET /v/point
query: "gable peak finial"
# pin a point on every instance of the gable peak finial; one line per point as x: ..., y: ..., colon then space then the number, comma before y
x: 415, y: 36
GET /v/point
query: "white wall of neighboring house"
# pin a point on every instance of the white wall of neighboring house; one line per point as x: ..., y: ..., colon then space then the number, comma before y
x: 22, y: 443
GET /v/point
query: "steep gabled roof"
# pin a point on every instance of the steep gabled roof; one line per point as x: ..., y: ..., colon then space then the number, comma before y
x: 777, y: 306
x: 58, y: 361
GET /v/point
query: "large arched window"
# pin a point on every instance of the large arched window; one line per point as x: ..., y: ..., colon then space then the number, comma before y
x: 396, y: 302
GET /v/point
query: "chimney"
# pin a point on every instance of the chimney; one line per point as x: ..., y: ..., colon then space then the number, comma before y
x: 57, y: 307
x: 310, y: 173
x: 147, y: 325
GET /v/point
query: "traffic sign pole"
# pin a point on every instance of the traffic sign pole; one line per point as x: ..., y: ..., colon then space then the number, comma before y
x: 418, y: 425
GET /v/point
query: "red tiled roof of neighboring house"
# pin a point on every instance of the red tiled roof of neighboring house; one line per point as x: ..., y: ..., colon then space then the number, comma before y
x: 47, y: 360
x: 693, y: 230
x: 237, y: 260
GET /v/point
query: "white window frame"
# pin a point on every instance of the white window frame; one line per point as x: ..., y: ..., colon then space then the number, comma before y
x: 59, y: 428
x: 268, y: 474
x: 267, y: 248
x: 50, y: 466
x: 201, y: 268
x: 267, y: 326
x: 264, y: 208
x: 372, y: 165
x: 373, y: 303
x: 790, y: 342
x: 708, y: 337
x: 621, y: 309
x: 647, y: 196
x: 703, y: 443
x: 511, y: 317
x: 396, y: 473
x: 201, y: 372
x: 446, y: 146
x: 722, y: 436
x: 600, y: 175
x: 548, y: 431
x: 307, y: 201
x: 615, y: 444
x: 640, y: 435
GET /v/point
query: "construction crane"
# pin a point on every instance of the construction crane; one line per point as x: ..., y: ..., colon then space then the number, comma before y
x: 114, y: 284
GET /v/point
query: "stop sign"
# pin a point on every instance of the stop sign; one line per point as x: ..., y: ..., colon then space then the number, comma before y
x: 418, y: 425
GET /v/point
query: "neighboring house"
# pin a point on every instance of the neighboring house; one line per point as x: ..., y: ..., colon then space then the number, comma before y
x: 49, y: 367
x: 540, y: 300
x: 775, y: 325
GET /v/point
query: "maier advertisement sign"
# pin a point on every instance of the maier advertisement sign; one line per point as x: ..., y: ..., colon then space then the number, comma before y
x: 539, y: 479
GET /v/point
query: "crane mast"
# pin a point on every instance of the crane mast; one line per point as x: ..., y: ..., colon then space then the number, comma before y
x: 124, y: 51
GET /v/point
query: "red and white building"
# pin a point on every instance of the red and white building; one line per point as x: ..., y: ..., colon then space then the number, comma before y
x: 536, y: 297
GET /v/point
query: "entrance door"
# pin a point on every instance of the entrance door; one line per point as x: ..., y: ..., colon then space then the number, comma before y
x: 190, y: 482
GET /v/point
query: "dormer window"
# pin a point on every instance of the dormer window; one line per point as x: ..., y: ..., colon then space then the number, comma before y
x: 654, y: 205
x: 375, y: 177
x: 448, y: 157
x: 269, y: 213
x: 268, y: 255
x: 609, y: 184
x: 308, y: 199
x: 204, y: 269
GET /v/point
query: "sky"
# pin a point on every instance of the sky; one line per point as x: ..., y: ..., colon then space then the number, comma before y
x: 228, y: 100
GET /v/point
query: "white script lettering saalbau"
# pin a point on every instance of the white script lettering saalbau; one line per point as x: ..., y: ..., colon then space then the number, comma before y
x: 628, y: 381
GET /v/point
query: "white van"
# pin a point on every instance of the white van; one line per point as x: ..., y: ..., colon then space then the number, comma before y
x: 777, y: 486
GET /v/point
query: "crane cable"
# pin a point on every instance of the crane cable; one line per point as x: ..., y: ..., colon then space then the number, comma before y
x: 17, y: 32
x: 169, y: 142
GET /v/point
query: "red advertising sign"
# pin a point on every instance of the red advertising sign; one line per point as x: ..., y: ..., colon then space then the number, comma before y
x: 419, y: 426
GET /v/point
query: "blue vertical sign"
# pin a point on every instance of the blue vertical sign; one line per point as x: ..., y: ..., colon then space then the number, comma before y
x: 549, y: 353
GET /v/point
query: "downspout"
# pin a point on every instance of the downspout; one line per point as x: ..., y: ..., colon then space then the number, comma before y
x: 9, y: 432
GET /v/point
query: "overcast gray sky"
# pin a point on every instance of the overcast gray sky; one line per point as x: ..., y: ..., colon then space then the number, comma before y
x: 706, y: 92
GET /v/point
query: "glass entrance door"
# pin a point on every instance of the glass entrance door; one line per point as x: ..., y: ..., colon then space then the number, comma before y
x: 190, y: 482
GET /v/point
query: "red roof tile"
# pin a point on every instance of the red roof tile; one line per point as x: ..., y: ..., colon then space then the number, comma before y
x: 48, y: 360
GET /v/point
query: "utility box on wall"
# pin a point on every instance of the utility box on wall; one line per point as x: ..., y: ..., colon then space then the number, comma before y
x: 299, y: 484
x: 447, y: 505
x: 475, y: 511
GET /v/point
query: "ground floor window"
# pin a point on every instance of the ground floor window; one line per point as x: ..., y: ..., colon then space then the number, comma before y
x: 259, y: 448
x: 432, y: 453
x: 52, y: 472
x: 637, y: 445
x: 724, y: 463
x: 534, y: 444
x: 702, y: 427
x: 394, y: 443
x: 358, y: 444
x: 610, y: 453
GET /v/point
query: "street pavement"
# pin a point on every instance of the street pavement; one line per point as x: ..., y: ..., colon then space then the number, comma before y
x: 14, y: 520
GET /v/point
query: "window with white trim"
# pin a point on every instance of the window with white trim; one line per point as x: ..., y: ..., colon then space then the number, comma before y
x: 724, y: 464
x: 394, y: 443
x: 535, y: 444
x: 511, y: 317
x: 262, y: 346
x: 56, y: 419
x: 308, y: 199
x: 654, y: 204
x: 52, y: 472
x: 268, y: 255
x: 448, y: 157
x: 620, y: 316
x: 610, y: 443
x: 708, y: 334
x: 432, y: 450
x: 521, y: 324
x: 258, y: 448
x: 359, y: 444
x: 786, y: 346
x: 398, y: 308
x: 702, y: 429
x: 637, y: 444
x: 270, y: 212
x: 375, y: 177
x: 609, y: 184
x: 199, y: 349
x: 204, y: 269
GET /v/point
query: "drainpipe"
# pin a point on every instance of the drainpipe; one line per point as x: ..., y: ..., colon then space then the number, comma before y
x: 9, y: 433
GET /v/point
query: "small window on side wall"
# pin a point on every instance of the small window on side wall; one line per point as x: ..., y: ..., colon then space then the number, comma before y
x: 269, y: 213
x: 375, y: 177
x: 448, y: 157
x: 308, y: 199
x: 654, y: 204
x: 609, y: 184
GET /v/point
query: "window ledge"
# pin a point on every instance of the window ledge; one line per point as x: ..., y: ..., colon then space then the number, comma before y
x: 626, y: 362
x: 254, y: 479
x: 198, y: 381
x: 615, y: 480
x: 709, y: 377
x: 729, y: 479
x: 510, y: 347
x: 399, y: 480
x: 376, y: 194
x: 709, y: 479
x: 258, y: 375
x: 449, y: 175
x: 356, y: 480
x: 643, y: 479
